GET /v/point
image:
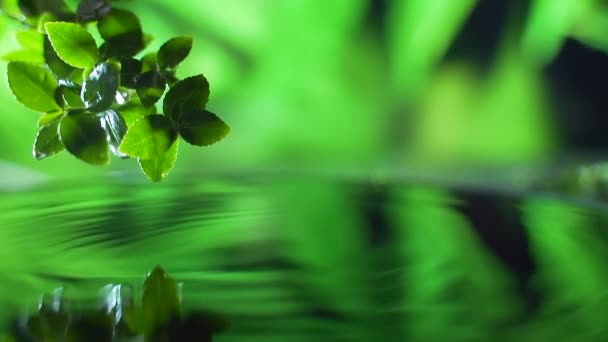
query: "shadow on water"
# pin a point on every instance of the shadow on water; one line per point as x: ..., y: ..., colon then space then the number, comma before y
x: 296, y: 259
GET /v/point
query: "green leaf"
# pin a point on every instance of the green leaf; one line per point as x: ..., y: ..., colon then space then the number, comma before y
x: 31, y: 48
x: 33, y: 86
x: 91, y: 10
x: 73, y: 44
x: 149, y: 62
x: 134, y: 110
x: 116, y: 128
x: 130, y: 68
x: 149, y: 137
x: 157, y: 169
x: 56, y: 64
x: 25, y: 56
x: 160, y: 301
x: 122, y: 32
x: 48, y: 118
x: 71, y: 94
x: 85, y: 138
x: 150, y: 87
x: 30, y: 40
x: 202, y: 128
x: 47, y: 141
x: 35, y: 8
x: 173, y: 52
x: 99, y: 90
x: 191, y: 93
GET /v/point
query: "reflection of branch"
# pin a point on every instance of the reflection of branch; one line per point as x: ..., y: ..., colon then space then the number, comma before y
x: 22, y: 20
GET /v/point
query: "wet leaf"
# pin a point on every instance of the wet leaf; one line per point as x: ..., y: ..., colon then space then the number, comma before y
x: 116, y: 128
x: 150, y: 87
x: 156, y: 169
x: 202, y: 128
x: 173, y: 52
x: 149, y: 137
x: 99, y: 90
x: 91, y: 10
x: 160, y: 302
x: 130, y: 68
x: 71, y: 94
x: 33, y: 86
x: 56, y: 64
x: 85, y: 138
x: 191, y: 93
x: 73, y: 44
x: 47, y: 141
x: 122, y: 33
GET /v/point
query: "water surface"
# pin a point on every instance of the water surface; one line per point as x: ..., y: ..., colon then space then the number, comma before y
x: 321, y: 259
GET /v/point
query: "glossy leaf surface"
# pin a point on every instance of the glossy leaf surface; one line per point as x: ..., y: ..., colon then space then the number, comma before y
x: 84, y: 137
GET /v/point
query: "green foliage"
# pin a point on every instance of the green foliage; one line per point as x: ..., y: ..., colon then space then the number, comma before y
x: 158, y: 317
x: 73, y: 44
x: 33, y: 86
x: 100, y: 99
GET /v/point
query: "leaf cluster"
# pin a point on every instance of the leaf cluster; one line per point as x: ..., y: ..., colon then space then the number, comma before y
x: 99, y: 100
x: 157, y: 317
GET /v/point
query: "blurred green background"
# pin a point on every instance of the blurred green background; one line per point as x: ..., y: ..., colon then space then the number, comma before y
x: 373, y: 83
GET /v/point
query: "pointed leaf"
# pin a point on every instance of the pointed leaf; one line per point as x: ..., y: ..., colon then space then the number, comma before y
x: 122, y: 32
x: 99, y: 90
x: 48, y: 118
x: 33, y: 86
x: 160, y: 301
x: 157, y: 169
x: 25, y: 56
x: 47, y: 141
x: 174, y: 52
x: 149, y: 137
x: 30, y: 40
x: 56, y: 64
x: 202, y: 128
x: 85, y: 138
x: 191, y: 93
x: 73, y: 44
x: 150, y: 87
x: 116, y: 128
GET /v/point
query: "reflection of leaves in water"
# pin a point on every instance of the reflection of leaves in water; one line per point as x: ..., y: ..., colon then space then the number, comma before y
x: 158, y: 318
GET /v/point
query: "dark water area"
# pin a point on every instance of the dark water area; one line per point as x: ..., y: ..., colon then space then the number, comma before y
x: 320, y: 259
